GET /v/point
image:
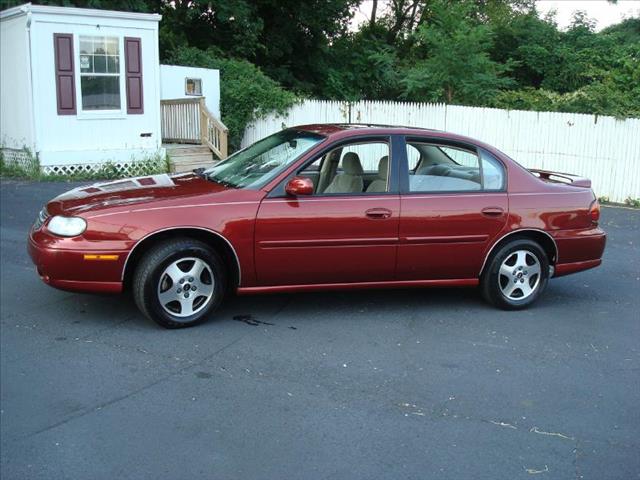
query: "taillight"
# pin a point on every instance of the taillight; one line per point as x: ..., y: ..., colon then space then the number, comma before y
x: 594, y: 211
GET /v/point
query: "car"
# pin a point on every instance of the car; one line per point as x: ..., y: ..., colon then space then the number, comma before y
x: 323, y: 207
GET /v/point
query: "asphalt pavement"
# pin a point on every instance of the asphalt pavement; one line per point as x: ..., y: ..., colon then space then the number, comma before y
x: 393, y: 384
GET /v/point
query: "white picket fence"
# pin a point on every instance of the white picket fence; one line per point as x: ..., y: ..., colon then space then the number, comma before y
x: 604, y: 149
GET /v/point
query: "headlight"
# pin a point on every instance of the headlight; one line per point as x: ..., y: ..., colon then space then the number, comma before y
x: 67, y: 226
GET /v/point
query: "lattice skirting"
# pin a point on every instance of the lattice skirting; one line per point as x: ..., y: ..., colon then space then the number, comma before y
x: 122, y: 169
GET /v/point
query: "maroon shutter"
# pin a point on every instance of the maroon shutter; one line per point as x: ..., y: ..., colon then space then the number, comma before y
x: 133, y: 61
x: 65, y: 77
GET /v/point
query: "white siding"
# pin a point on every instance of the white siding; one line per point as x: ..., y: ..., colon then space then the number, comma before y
x: 172, y: 84
x: 604, y: 149
x: 91, y: 138
x: 16, y: 120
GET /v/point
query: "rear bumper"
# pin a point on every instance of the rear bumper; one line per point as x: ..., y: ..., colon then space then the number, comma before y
x: 567, y: 268
x: 69, y: 270
x: 579, y: 250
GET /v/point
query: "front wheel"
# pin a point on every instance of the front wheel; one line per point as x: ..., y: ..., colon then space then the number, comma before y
x: 179, y: 283
x: 516, y: 275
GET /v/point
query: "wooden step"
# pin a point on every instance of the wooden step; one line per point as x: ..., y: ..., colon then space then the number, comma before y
x: 179, y: 150
x: 185, y: 158
x: 180, y: 167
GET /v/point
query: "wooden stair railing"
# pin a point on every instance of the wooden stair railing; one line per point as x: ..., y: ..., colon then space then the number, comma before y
x: 188, y: 120
x: 213, y: 132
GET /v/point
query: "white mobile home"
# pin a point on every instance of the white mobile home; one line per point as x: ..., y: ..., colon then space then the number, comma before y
x: 80, y: 87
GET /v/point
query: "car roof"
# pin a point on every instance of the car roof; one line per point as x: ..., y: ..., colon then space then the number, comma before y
x: 345, y: 130
x: 360, y: 128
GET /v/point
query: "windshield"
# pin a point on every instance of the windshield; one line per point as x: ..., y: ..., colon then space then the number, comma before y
x: 256, y: 165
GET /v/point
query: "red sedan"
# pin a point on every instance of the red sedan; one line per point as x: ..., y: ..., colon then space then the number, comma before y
x: 320, y: 207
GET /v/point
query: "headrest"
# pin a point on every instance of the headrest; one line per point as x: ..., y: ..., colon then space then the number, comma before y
x: 383, y: 167
x: 351, y: 164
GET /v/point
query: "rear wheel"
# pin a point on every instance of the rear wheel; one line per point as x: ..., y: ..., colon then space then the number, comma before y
x: 516, y: 275
x: 179, y: 283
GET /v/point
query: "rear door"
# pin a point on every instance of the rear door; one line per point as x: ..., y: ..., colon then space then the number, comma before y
x: 348, y: 235
x: 453, y: 203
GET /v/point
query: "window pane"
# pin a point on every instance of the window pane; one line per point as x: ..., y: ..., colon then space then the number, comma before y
x: 193, y: 86
x: 113, y: 64
x: 112, y: 46
x: 100, y: 93
x: 100, y: 64
x: 86, y: 63
x: 492, y: 171
x: 99, y: 47
x: 86, y: 45
x: 444, y: 169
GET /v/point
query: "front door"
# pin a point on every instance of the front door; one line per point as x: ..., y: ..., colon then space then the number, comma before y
x: 454, y: 204
x: 347, y: 231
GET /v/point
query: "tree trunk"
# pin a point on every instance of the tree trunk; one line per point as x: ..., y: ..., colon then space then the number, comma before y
x: 449, y: 93
x: 374, y: 7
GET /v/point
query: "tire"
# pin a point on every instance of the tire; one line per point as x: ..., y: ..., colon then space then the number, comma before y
x: 179, y: 283
x: 516, y: 275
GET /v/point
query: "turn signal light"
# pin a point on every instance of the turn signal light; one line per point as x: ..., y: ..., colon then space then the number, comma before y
x: 594, y: 212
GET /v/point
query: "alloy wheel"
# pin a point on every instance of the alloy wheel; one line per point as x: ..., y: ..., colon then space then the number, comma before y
x: 186, y: 287
x: 519, y: 275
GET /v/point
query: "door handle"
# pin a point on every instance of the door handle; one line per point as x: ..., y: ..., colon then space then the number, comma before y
x: 492, y: 211
x: 378, y: 213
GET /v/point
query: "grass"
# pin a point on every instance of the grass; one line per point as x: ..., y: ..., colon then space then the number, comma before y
x: 629, y: 202
x: 632, y: 202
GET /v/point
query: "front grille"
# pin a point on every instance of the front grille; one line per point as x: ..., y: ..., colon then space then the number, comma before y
x: 41, y: 218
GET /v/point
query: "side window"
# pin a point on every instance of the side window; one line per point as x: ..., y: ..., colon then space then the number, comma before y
x: 493, y: 174
x: 444, y: 169
x: 413, y: 156
x: 353, y: 168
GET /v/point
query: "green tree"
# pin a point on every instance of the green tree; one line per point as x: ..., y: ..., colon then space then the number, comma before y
x: 361, y: 65
x: 450, y: 60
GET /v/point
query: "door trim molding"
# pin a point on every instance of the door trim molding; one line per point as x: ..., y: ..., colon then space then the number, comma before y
x: 458, y: 282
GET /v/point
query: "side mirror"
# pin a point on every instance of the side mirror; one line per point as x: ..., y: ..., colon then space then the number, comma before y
x: 299, y: 186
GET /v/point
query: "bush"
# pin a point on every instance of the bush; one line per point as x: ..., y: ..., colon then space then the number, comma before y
x: 592, y: 99
x: 246, y: 93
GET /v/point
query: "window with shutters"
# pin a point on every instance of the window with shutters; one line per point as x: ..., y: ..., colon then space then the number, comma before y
x: 100, y: 70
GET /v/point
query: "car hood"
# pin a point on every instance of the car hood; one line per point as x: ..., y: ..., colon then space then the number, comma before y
x: 131, y: 191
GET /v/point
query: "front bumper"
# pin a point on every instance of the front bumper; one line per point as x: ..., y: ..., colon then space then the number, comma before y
x: 76, y: 270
